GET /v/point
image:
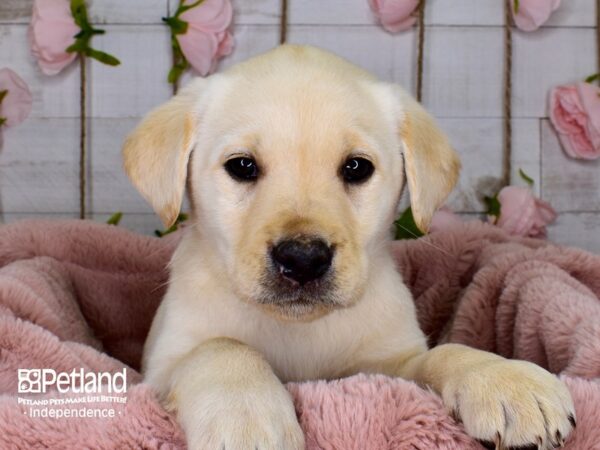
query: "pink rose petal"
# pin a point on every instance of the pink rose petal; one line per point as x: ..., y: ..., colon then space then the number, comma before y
x: 575, y: 114
x: 207, y: 39
x: 16, y: 106
x: 522, y: 214
x: 210, y: 15
x: 394, y: 15
x: 199, y: 49
x: 534, y: 13
x: 590, y: 101
x: 52, y: 30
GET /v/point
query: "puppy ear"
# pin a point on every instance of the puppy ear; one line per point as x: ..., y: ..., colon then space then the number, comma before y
x: 431, y: 165
x: 156, y: 153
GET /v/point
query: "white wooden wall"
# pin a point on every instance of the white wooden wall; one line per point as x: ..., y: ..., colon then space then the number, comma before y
x: 462, y: 88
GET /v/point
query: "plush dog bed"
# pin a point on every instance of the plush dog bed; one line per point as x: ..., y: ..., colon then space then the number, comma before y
x: 76, y: 294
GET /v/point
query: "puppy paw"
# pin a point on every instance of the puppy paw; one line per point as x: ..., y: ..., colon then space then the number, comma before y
x: 507, y: 404
x: 244, y: 421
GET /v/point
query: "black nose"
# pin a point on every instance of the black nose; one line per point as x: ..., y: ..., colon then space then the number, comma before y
x: 302, y: 259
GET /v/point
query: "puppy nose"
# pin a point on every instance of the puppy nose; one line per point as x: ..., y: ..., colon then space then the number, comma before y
x: 303, y: 260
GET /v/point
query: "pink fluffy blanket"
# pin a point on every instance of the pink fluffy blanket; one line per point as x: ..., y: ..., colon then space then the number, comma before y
x: 75, y: 294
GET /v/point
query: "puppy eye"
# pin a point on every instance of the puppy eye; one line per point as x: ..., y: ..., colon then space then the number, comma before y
x: 242, y: 169
x: 357, y: 170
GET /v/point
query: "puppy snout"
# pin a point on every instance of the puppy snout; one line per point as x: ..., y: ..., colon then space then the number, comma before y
x: 303, y: 259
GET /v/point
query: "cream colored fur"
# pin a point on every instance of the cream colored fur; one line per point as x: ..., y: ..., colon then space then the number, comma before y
x: 216, y: 352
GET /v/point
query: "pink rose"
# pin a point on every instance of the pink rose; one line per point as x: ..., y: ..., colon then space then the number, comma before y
x: 575, y: 114
x: 444, y: 219
x: 207, y: 38
x: 395, y: 15
x: 57, y: 38
x: 15, y: 105
x: 522, y: 214
x: 532, y: 14
x: 51, y: 32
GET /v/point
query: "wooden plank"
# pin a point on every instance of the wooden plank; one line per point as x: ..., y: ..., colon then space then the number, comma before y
x: 465, y: 12
x: 387, y: 56
x: 265, y: 12
x: 140, y: 82
x: 330, y: 12
x: 39, y: 167
x: 578, y: 230
x: 253, y: 12
x: 568, y: 184
x: 450, y: 90
x: 256, y: 12
x: 129, y: 12
x: 15, y: 11
x: 572, y: 13
x: 250, y: 40
x: 110, y: 189
x: 526, y: 148
x: 463, y: 72
x: 479, y: 145
x: 56, y: 96
x: 545, y: 59
x: 100, y: 11
x: 463, y: 65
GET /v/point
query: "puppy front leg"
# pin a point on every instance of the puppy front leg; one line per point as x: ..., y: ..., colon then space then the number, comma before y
x: 227, y: 397
x: 509, y: 403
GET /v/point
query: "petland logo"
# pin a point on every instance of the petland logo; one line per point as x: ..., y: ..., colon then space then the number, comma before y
x: 39, y: 381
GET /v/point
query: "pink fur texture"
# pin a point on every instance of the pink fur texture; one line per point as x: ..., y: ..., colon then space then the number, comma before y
x: 79, y: 294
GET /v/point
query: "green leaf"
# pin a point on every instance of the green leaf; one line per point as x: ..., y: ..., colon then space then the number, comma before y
x: 83, y: 38
x: 79, y: 13
x: 175, y: 73
x: 177, y: 26
x: 183, y: 8
x: 169, y: 230
x: 182, y: 217
x: 493, y: 206
x: 2, y: 121
x: 516, y: 6
x: 406, y: 228
x: 592, y: 78
x: 526, y: 177
x: 78, y: 47
x: 115, y: 218
x: 104, y: 58
x: 3, y: 94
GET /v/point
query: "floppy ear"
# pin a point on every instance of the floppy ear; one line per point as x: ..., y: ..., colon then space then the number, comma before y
x: 156, y: 153
x: 431, y: 165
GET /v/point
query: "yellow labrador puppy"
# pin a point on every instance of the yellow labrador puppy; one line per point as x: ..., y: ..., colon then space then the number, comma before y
x: 294, y: 163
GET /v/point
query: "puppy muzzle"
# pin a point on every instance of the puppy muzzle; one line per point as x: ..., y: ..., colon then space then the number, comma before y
x: 300, y: 272
x: 302, y: 260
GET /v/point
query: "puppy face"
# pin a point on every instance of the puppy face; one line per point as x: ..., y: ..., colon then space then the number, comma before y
x: 294, y: 176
